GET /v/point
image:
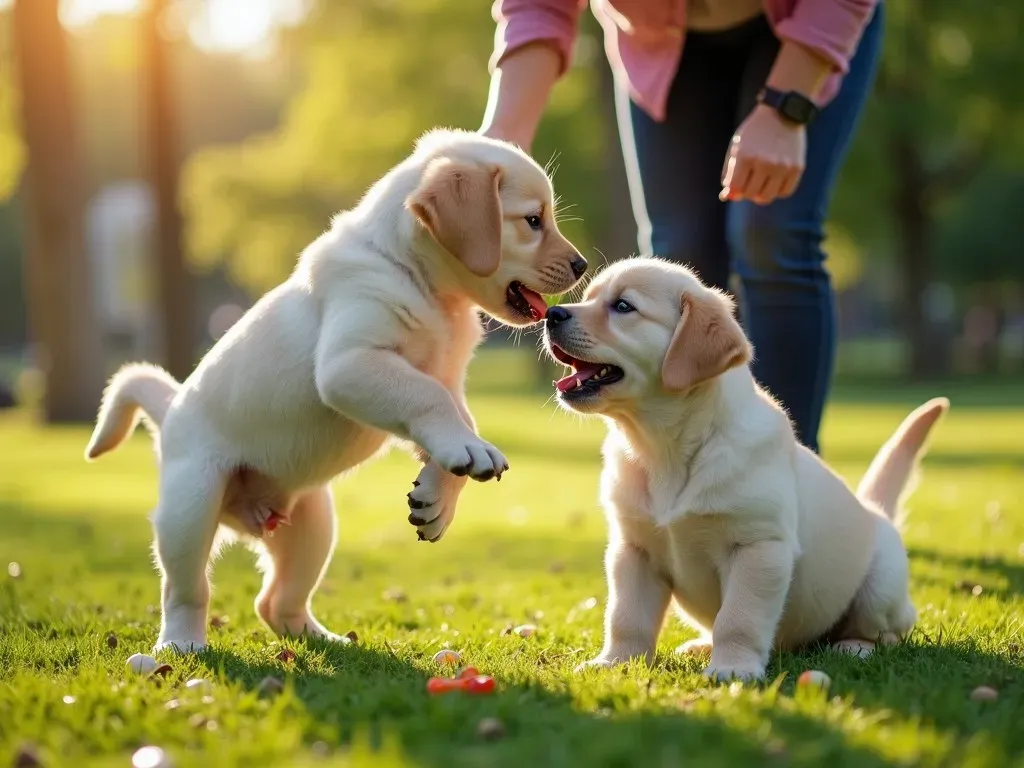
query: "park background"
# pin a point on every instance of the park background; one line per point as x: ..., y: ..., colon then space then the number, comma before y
x: 162, y: 163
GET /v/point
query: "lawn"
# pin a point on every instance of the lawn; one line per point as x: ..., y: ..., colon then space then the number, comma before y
x: 525, y: 551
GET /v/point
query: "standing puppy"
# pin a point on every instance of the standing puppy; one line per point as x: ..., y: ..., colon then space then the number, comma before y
x: 364, y: 345
x: 709, y: 497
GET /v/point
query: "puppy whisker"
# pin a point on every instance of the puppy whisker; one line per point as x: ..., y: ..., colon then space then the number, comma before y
x: 550, y: 167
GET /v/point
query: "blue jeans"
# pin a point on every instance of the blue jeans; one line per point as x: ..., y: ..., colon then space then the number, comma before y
x: 785, y: 295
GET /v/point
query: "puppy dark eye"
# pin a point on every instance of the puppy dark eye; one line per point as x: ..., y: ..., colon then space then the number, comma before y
x: 535, y: 223
x: 623, y: 307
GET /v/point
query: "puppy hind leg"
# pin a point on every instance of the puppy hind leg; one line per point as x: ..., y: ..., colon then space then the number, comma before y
x: 882, y: 611
x: 294, y: 562
x: 184, y: 527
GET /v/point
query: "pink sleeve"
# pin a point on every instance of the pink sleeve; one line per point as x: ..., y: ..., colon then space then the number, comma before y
x: 528, y: 21
x: 832, y: 28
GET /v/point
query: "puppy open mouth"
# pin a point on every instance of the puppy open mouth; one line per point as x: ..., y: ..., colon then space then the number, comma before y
x: 586, y: 377
x: 525, y: 302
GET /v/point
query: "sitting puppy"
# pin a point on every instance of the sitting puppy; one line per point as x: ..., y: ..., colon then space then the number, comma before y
x: 710, y: 499
x: 364, y: 345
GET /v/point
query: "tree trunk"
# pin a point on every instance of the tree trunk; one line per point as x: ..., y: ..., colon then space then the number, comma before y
x: 61, y: 302
x: 175, y: 289
x: 927, y: 345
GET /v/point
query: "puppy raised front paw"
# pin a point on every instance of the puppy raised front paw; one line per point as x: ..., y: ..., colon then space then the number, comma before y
x: 468, y: 456
x: 432, y: 501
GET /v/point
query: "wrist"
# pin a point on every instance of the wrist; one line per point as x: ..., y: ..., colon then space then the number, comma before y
x: 791, y: 108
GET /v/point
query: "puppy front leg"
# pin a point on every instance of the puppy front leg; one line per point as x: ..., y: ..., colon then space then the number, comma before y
x: 637, y: 600
x: 380, y: 388
x: 756, y: 586
x: 433, y: 500
x: 435, y: 493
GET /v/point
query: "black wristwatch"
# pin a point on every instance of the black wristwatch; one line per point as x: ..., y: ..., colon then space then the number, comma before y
x: 793, y: 106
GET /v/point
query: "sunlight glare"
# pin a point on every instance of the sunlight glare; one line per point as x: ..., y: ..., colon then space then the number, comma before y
x: 79, y: 13
x: 241, y: 25
x: 233, y: 26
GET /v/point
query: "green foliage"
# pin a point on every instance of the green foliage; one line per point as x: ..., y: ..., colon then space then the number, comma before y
x: 949, y: 86
x: 12, y: 153
x: 527, y: 550
x: 377, y: 76
x: 980, y: 241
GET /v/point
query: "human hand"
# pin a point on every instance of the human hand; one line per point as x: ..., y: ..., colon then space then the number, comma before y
x: 765, y: 159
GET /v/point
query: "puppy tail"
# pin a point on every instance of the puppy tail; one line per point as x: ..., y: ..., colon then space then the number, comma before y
x: 894, y: 467
x: 136, y: 386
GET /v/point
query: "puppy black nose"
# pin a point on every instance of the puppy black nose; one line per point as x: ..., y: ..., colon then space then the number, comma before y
x: 578, y: 266
x: 556, y: 315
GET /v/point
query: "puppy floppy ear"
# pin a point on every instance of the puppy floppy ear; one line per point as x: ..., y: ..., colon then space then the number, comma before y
x: 708, y: 342
x: 458, y: 204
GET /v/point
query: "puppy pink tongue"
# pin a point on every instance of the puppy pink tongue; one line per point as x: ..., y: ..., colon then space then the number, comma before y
x: 583, y: 372
x: 536, y: 302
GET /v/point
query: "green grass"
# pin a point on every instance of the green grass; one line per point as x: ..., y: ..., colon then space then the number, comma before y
x: 527, y: 550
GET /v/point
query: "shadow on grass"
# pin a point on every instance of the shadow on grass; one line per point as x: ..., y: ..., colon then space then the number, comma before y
x: 983, y: 571
x: 370, y: 690
x: 340, y: 691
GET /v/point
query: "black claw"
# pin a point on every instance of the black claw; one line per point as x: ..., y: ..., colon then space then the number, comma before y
x: 414, y: 520
x: 417, y: 504
x: 485, y: 476
x: 415, y: 483
x: 461, y: 471
x: 420, y: 536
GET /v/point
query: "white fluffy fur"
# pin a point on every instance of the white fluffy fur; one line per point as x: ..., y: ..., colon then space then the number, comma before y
x: 712, y: 502
x: 364, y: 345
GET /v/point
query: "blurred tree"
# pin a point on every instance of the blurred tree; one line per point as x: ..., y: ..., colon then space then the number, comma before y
x: 12, y: 155
x: 61, y: 314
x: 174, y: 289
x: 979, y: 251
x: 13, y: 326
x: 948, y: 101
x: 982, y: 239
x: 377, y: 76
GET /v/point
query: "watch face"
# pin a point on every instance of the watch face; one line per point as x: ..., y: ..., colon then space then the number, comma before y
x: 797, y: 109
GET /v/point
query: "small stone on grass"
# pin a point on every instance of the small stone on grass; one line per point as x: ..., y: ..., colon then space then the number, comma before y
x: 984, y: 693
x: 270, y: 686
x: 490, y: 729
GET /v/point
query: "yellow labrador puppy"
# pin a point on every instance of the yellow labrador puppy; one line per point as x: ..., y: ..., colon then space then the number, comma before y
x: 710, y: 499
x: 364, y: 345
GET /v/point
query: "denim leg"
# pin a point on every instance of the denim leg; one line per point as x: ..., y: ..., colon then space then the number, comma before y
x: 674, y: 167
x: 787, y: 303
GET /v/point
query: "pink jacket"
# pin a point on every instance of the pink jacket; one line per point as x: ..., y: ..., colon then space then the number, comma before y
x: 644, y: 38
